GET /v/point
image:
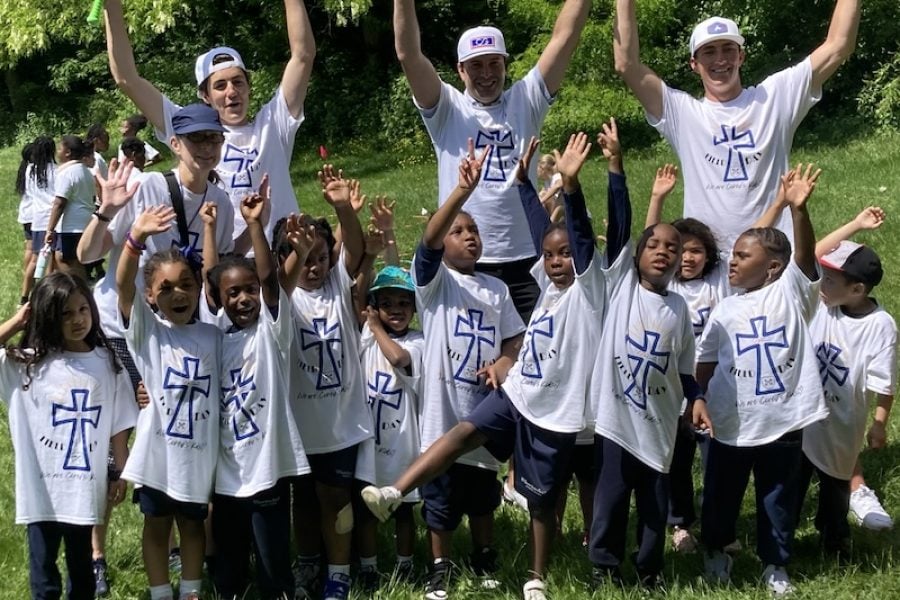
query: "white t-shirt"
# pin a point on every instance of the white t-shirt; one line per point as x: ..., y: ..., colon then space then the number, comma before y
x: 393, y: 396
x: 41, y: 197
x: 548, y: 383
x: 264, y: 145
x: 75, y: 183
x: 259, y: 442
x: 646, y: 345
x: 100, y: 166
x: 61, y: 427
x: 703, y: 294
x: 155, y: 192
x: 855, y: 355
x: 507, y: 125
x: 465, y: 319
x: 327, y: 385
x: 766, y: 383
x: 150, y: 153
x: 177, y: 437
x: 25, y: 204
x: 733, y: 153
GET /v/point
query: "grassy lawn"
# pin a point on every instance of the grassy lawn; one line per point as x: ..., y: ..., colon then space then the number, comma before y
x: 857, y: 173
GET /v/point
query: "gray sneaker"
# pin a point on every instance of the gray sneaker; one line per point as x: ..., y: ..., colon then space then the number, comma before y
x: 717, y: 567
x: 777, y: 580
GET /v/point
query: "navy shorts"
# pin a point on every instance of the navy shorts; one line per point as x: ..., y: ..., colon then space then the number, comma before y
x: 67, y: 244
x: 154, y: 503
x: 336, y: 468
x: 26, y: 230
x: 37, y: 240
x: 541, y: 456
x: 461, y: 490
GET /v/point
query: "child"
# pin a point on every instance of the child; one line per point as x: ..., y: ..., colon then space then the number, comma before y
x: 856, y: 343
x: 130, y: 128
x: 474, y: 334
x: 757, y: 362
x: 24, y: 218
x: 702, y: 280
x: 40, y: 181
x: 328, y: 393
x: 392, y: 364
x: 97, y: 141
x: 643, y: 372
x: 73, y: 203
x: 69, y: 403
x: 133, y: 149
x: 259, y: 444
x: 174, y: 454
x: 551, y: 183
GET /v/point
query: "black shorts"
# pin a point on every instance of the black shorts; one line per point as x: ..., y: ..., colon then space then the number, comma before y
x: 581, y: 464
x: 67, y: 245
x: 26, y: 230
x: 541, y: 456
x: 336, y: 468
x: 461, y: 490
x: 154, y: 503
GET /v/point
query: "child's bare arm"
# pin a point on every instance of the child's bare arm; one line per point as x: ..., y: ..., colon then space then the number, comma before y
x: 870, y: 218
x: 118, y: 445
x: 666, y: 178
x: 152, y: 221
x: 383, y: 220
x: 209, y: 215
x: 15, y: 323
x: 495, y: 374
x: 396, y: 354
x: 440, y: 222
x: 797, y: 190
x: 877, y: 435
x: 96, y: 240
x: 301, y: 239
x: 252, y: 209
x: 336, y: 191
x: 704, y: 373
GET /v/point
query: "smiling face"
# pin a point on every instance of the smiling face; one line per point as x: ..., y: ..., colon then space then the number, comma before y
x: 228, y: 91
x: 557, y: 257
x: 751, y: 266
x: 718, y: 63
x: 77, y: 321
x: 693, y: 257
x: 199, y: 151
x: 462, y: 244
x: 174, y: 291
x: 660, y: 257
x: 484, y: 76
x: 239, y: 296
x: 316, y: 267
x: 395, y: 308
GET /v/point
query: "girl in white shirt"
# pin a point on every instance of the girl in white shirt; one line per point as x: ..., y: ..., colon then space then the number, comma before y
x: 73, y: 203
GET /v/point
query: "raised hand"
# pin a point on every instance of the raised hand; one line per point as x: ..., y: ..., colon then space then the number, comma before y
x: 335, y: 189
x: 301, y: 237
x: 152, y: 221
x: 569, y: 163
x: 382, y: 213
x: 208, y: 213
x: 252, y: 208
x: 470, y: 167
x: 525, y: 160
x: 373, y: 240
x: 116, y: 192
x: 609, y: 140
x: 870, y: 218
x: 666, y: 178
x: 798, y: 184
x: 357, y: 199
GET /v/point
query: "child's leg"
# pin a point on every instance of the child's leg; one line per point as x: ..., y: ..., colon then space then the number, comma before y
x: 857, y: 479
x: 611, y: 499
x: 335, y: 502
x: 365, y: 525
x: 306, y: 517
x: 405, y: 530
x: 78, y: 562
x: 442, y: 511
x: 44, y: 539
x: 681, y: 512
x: 543, y: 530
x: 831, y: 518
x: 464, y: 437
x: 724, y: 483
x: 804, y: 478
x: 652, y: 502
x: 155, y: 548
x: 775, y: 475
x: 231, y: 532
x: 271, y: 518
x: 192, y: 533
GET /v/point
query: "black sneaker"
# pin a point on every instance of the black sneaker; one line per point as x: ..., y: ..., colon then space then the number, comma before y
x: 436, y: 588
x: 102, y: 584
x: 368, y: 580
x: 484, y: 564
x: 601, y: 576
x: 307, y: 578
x: 405, y: 572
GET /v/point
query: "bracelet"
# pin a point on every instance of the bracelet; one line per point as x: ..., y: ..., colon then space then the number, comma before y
x: 113, y: 474
x: 132, y: 250
x: 137, y: 245
x: 100, y: 217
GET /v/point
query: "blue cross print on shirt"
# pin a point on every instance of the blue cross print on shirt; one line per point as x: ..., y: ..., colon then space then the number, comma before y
x: 190, y: 384
x: 242, y: 422
x: 702, y: 319
x: 830, y: 365
x: 541, y: 325
x: 472, y: 329
x: 77, y: 416
x: 642, y: 363
x: 501, y: 142
x: 735, y: 169
x: 761, y: 342
x: 323, y: 338
x: 239, y: 161
x: 382, y: 395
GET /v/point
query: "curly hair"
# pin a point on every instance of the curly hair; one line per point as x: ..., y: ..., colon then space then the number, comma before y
x: 698, y: 229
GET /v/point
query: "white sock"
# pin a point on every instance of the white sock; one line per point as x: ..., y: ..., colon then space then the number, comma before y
x: 161, y: 592
x: 402, y: 560
x: 342, y: 569
x: 190, y: 586
x: 368, y: 563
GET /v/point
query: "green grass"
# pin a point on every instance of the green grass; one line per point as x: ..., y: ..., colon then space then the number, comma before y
x: 857, y: 173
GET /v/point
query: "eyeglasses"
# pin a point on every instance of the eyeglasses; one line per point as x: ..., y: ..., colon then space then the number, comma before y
x: 204, y: 137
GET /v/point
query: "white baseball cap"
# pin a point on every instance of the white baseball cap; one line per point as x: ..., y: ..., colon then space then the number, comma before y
x: 715, y: 28
x: 479, y: 41
x: 217, y: 59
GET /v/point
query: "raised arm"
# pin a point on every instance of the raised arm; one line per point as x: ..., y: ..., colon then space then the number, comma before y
x: 295, y: 80
x: 840, y: 43
x: 144, y: 94
x: 383, y: 220
x: 442, y: 220
x: 336, y: 191
x: 666, y: 178
x: 301, y: 238
x: 645, y: 84
x: 15, y: 323
x: 152, y: 221
x: 538, y: 217
x: 96, y: 240
x: 557, y: 55
x: 578, y: 223
x: 870, y: 218
x: 421, y: 74
x: 618, y: 202
x: 209, y: 215
x: 252, y: 208
x: 804, y: 236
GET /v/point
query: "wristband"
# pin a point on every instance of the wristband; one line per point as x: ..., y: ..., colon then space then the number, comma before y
x: 137, y: 245
x: 113, y: 474
x: 101, y: 218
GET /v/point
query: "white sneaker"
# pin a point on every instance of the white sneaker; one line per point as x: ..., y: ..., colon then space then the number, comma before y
x: 868, y: 511
x: 683, y: 541
x: 777, y: 580
x: 382, y: 501
x: 534, y: 590
x: 513, y: 497
x: 717, y: 567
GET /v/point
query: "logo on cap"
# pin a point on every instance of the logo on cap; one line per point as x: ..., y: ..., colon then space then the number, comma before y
x: 717, y: 27
x: 484, y: 41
